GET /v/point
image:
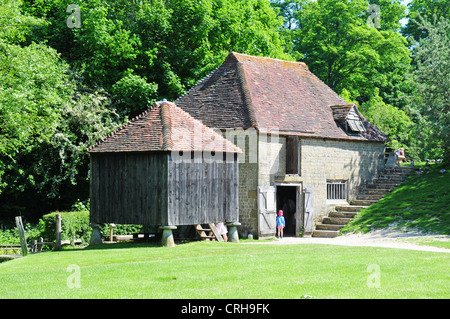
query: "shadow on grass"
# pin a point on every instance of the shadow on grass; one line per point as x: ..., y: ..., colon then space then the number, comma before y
x: 135, y: 244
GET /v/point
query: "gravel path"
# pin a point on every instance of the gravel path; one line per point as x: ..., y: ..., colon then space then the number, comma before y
x: 378, y: 238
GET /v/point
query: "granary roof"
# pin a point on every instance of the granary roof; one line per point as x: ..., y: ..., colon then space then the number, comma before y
x: 164, y: 127
x: 273, y: 96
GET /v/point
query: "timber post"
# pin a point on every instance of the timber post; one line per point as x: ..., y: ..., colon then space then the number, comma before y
x: 96, y: 236
x: 58, y: 232
x: 23, y: 240
x: 111, y: 230
x: 233, y: 235
x: 167, y: 236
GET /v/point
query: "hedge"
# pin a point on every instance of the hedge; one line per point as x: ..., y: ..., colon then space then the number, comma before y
x: 76, y: 225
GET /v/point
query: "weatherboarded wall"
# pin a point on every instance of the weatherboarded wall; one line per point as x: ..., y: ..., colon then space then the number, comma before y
x: 201, y: 193
x: 148, y: 188
x: 129, y: 188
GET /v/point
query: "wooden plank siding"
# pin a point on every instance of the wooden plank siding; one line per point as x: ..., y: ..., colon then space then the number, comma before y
x: 203, y: 193
x: 129, y: 188
x: 147, y: 188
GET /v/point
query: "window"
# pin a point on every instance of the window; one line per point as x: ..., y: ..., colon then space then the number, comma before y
x: 337, y: 190
x: 348, y: 118
x: 292, y: 155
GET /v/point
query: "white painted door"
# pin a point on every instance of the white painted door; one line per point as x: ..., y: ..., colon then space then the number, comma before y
x: 267, y: 214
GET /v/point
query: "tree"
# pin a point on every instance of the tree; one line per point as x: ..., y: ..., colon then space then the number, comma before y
x: 368, y: 65
x: 33, y: 92
x: 47, y: 121
x: 339, y: 47
x: 393, y: 121
x: 430, y: 101
x: 169, y: 44
x: 426, y: 9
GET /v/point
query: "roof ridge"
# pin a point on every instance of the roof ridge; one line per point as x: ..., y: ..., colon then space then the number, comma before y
x: 266, y: 58
x: 246, y: 93
x: 228, y: 145
x: 204, y: 79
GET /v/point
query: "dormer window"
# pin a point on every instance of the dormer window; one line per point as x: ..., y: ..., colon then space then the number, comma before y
x: 347, y: 116
x: 353, y: 122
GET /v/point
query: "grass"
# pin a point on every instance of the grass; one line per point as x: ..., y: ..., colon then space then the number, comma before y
x: 201, y: 270
x: 421, y: 203
x: 425, y: 241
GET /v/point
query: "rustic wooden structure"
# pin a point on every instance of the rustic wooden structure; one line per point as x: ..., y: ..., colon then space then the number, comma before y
x: 210, y: 233
x: 164, y: 168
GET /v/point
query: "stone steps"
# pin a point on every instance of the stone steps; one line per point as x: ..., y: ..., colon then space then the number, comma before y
x: 349, y: 208
x: 370, y: 196
x: 382, y: 186
x: 325, y: 233
x: 364, y: 202
x: 343, y: 214
x: 336, y: 220
x: 390, y: 179
x: 376, y: 191
x: 321, y: 226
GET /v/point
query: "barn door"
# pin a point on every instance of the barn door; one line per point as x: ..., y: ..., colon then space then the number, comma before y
x: 267, y: 215
x: 308, y: 210
x: 299, y: 209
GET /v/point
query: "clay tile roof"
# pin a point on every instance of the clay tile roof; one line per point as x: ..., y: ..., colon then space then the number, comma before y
x: 164, y: 127
x: 273, y: 96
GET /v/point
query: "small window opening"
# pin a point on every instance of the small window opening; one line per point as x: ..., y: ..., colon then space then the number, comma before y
x: 292, y: 155
x: 337, y: 190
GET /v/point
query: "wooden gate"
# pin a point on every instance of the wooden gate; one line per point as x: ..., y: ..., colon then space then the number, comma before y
x: 267, y: 215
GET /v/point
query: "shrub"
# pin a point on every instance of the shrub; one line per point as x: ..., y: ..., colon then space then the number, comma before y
x: 120, y: 229
x: 9, y: 237
x: 74, y: 225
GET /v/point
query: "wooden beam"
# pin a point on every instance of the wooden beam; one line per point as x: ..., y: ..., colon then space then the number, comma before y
x: 216, y: 232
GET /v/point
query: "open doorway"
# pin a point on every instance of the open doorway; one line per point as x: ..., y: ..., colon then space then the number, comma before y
x: 287, y: 201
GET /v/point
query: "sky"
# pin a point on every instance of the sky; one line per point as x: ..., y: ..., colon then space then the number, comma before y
x: 405, y: 21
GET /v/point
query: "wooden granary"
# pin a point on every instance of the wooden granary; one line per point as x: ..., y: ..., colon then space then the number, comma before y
x: 164, y: 168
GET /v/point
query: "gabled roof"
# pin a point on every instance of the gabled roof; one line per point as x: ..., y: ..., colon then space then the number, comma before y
x: 164, y: 127
x: 271, y: 95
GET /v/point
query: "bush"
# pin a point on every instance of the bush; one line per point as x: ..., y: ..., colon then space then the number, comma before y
x: 9, y: 237
x: 120, y: 229
x: 74, y: 225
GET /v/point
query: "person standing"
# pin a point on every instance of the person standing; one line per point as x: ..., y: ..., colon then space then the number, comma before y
x: 281, y: 223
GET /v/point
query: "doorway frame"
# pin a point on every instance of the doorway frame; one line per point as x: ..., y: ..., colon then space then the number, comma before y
x: 298, y: 203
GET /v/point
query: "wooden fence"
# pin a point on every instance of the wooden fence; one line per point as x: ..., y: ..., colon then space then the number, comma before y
x: 36, y: 246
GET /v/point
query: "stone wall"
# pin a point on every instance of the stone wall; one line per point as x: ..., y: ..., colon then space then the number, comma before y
x: 354, y: 161
x: 248, y: 178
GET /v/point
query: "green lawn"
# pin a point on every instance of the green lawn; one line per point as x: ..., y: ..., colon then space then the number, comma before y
x: 227, y: 270
x: 422, y: 202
